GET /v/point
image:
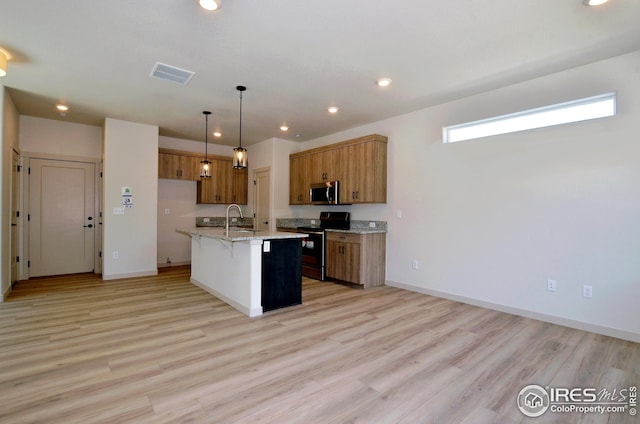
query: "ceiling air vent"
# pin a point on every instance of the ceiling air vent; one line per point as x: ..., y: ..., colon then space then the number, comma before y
x: 171, y: 73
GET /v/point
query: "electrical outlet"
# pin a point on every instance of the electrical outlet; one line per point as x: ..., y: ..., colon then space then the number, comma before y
x: 234, y: 219
x: 372, y: 225
x: 115, y: 254
x: 414, y: 264
x: 167, y: 211
x: 551, y: 285
x: 398, y: 213
x: 587, y: 291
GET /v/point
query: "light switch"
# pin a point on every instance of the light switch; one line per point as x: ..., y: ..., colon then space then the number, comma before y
x: 266, y: 246
x: 118, y: 211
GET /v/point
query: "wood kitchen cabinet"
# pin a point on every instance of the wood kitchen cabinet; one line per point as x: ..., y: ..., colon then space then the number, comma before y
x: 239, y: 185
x: 178, y: 165
x: 363, y: 176
x: 360, y: 165
x: 299, y: 181
x: 324, y: 166
x: 226, y: 185
x: 356, y: 258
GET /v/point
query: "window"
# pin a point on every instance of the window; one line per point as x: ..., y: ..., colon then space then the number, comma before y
x: 562, y: 113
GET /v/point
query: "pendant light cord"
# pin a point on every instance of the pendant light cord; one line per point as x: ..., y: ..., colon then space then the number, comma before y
x: 240, y: 118
x: 206, y: 134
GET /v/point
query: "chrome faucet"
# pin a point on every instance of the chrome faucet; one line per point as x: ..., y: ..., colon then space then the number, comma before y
x: 227, y: 222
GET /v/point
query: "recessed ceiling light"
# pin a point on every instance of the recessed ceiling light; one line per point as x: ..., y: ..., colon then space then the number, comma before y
x: 384, y: 82
x: 594, y: 2
x: 284, y: 128
x: 62, y: 108
x: 217, y: 134
x: 210, y: 4
x: 333, y: 109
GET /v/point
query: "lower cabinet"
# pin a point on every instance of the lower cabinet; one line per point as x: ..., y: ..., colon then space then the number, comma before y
x: 356, y: 258
x: 281, y: 273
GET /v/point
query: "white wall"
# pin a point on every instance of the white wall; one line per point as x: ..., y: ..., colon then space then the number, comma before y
x: 130, y: 160
x: 58, y: 138
x: 490, y: 221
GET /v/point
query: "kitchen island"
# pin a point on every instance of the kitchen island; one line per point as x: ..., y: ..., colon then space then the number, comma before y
x: 253, y: 271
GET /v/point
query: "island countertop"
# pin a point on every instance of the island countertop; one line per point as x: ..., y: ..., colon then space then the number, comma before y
x: 238, y: 234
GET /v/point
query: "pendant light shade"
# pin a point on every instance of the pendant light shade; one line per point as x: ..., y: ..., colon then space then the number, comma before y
x: 240, y: 153
x: 205, y: 168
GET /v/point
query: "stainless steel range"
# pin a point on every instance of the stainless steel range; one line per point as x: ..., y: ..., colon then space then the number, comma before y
x: 313, y: 247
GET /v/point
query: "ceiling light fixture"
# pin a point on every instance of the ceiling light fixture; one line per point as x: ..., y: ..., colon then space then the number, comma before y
x: 210, y: 4
x: 594, y: 2
x: 240, y: 153
x: 333, y: 109
x: 62, y: 108
x: 205, y: 171
x: 284, y: 128
x: 217, y: 134
x: 3, y: 63
x: 384, y: 82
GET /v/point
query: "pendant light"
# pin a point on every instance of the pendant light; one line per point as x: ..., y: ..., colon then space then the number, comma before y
x: 205, y: 169
x: 240, y: 153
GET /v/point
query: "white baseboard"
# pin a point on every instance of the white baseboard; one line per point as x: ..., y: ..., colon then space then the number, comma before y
x: 166, y: 265
x: 593, y: 328
x: 129, y: 275
x: 250, y: 312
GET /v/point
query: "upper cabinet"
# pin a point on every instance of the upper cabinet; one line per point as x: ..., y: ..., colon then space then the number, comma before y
x: 299, y: 180
x: 360, y: 165
x: 226, y: 185
x: 178, y: 165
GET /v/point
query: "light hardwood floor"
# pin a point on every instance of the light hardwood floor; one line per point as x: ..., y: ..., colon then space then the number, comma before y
x: 76, y: 349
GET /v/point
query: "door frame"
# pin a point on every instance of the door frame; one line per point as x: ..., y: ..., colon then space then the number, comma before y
x: 23, y: 270
x: 255, y: 196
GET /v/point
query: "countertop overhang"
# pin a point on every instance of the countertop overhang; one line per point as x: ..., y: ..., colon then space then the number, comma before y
x: 241, y: 234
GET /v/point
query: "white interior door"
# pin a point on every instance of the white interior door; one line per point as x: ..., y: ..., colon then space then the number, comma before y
x: 62, y: 222
x: 262, y: 178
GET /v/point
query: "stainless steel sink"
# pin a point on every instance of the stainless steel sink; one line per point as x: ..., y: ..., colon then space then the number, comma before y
x: 241, y: 230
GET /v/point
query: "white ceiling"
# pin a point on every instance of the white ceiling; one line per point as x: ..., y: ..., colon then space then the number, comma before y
x: 295, y: 57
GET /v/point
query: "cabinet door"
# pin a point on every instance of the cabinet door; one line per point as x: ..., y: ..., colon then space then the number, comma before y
x: 364, y: 173
x: 223, y: 184
x: 209, y: 191
x: 299, y: 180
x: 324, y: 166
x: 190, y: 168
x: 240, y: 186
x: 169, y: 166
x: 343, y: 261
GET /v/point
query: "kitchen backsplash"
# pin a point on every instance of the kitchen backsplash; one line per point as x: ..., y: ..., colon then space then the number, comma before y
x: 304, y: 222
x: 219, y: 221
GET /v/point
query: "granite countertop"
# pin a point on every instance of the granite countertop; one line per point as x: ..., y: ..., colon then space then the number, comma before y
x: 357, y: 226
x: 360, y: 231
x: 238, y: 234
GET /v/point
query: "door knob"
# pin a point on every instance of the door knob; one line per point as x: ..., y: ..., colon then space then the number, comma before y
x: 88, y: 226
x: 265, y: 222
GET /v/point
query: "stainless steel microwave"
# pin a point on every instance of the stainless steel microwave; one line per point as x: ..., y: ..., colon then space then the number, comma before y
x: 326, y: 193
